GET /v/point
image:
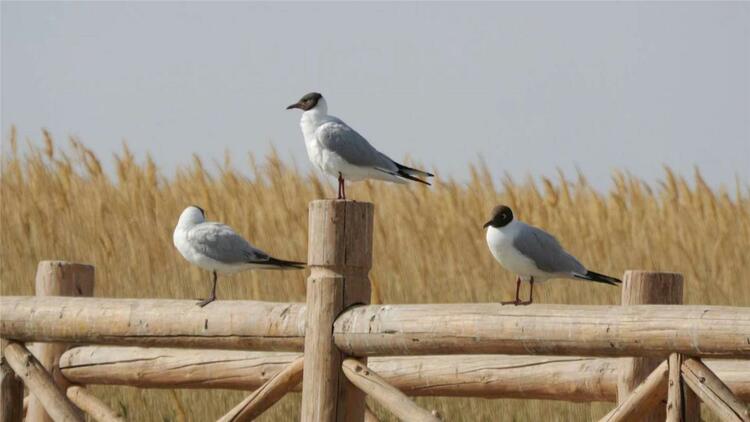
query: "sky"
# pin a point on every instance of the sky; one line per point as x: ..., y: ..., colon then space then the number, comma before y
x: 526, y: 87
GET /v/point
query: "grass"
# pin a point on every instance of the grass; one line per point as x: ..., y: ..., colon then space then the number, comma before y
x: 429, y: 244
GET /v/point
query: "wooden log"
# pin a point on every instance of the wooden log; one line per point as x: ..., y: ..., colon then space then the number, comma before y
x: 642, y: 400
x: 491, y: 376
x: 154, y: 322
x: 388, y: 396
x: 713, y: 392
x: 57, y: 278
x: 268, y: 394
x: 645, y: 288
x: 488, y: 328
x: 90, y: 404
x: 682, y: 404
x: 40, y: 384
x: 340, y: 257
x: 11, y: 391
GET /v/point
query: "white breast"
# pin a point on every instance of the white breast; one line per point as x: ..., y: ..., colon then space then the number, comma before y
x: 500, y: 243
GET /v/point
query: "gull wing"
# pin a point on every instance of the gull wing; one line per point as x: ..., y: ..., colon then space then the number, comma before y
x: 220, y: 243
x: 338, y: 137
x: 546, y: 252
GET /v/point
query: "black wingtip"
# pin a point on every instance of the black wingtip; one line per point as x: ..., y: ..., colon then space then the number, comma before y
x: 410, y: 177
x: 287, y: 264
x: 599, y: 278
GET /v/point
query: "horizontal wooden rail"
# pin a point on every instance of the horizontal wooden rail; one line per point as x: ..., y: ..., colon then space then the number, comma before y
x: 488, y: 328
x: 491, y: 376
x: 154, y: 322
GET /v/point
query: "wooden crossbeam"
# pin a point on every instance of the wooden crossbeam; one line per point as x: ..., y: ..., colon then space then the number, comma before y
x: 91, y: 404
x: 268, y: 394
x: 11, y: 391
x: 385, y: 394
x: 643, y: 399
x: 713, y: 392
x: 40, y: 384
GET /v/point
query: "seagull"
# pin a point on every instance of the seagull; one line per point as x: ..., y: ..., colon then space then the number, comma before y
x: 338, y: 150
x: 215, y: 247
x: 533, y: 254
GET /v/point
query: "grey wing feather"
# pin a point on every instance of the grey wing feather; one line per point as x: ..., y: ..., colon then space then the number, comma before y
x: 546, y: 252
x: 219, y: 242
x: 337, y: 136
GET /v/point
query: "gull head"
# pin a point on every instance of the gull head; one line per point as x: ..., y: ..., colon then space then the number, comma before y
x: 192, y: 215
x: 501, y: 216
x: 308, y: 102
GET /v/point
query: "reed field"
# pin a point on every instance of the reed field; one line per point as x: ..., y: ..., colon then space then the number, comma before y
x: 57, y: 203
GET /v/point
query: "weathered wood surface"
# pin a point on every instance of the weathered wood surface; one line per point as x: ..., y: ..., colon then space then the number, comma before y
x: 642, y: 400
x: 40, y: 384
x: 57, y: 278
x: 388, y: 396
x: 154, y: 322
x: 91, y: 404
x: 370, y: 416
x: 565, y: 330
x: 492, y: 376
x: 646, y: 288
x: 339, y: 258
x: 11, y: 391
x: 682, y: 404
x: 268, y: 394
x: 713, y: 392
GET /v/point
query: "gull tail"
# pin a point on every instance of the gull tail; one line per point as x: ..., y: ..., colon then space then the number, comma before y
x: 284, y: 265
x: 599, y: 278
x: 412, y: 174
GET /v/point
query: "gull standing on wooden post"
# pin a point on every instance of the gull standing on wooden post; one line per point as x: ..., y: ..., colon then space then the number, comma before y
x: 215, y: 247
x: 533, y: 254
x: 338, y: 150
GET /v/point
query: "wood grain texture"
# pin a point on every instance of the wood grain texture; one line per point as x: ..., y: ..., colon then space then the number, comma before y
x: 565, y: 330
x: 91, y: 404
x: 682, y: 404
x: 388, y: 396
x: 223, y: 324
x: 646, y: 288
x: 268, y: 394
x: 339, y: 258
x: 568, y: 378
x: 643, y: 399
x: 40, y: 384
x: 11, y: 391
x: 713, y: 392
x: 57, y: 278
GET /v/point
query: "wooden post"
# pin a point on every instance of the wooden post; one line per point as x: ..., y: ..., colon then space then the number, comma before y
x: 643, y: 399
x: 41, y: 385
x: 644, y: 288
x: 682, y: 404
x: 91, y: 404
x: 11, y: 391
x: 57, y: 278
x: 340, y: 257
x: 267, y: 395
x: 387, y: 395
x: 713, y: 392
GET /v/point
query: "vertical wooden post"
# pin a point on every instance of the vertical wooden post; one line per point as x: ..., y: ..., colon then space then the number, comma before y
x: 340, y: 257
x: 11, y: 391
x: 57, y: 278
x: 682, y: 403
x: 642, y: 288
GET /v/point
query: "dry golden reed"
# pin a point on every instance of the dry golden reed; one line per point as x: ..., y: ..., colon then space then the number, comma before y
x: 429, y: 244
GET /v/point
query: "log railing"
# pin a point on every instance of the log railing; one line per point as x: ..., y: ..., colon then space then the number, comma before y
x: 654, y: 360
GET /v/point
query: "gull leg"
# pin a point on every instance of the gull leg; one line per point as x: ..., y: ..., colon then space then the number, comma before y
x: 211, y: 298
x: 341, y: 185
x: 518, y: 288
x: 531, y: 292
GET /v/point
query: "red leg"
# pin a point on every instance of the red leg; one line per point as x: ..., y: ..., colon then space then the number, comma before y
x: 518, y: 288
x: 531, y: 292
x: 342, y: 192
x: 211, y: 298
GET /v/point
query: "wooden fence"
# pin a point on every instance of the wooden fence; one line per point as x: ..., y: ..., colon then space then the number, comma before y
x: 653, y: 356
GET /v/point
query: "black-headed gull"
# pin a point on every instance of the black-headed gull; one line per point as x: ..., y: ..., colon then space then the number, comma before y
x: 338, y: 150
x: 215, y: 247
x: 533, y: 254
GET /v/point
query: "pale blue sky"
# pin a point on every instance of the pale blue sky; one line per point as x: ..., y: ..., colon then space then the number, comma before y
x: 527, y: 86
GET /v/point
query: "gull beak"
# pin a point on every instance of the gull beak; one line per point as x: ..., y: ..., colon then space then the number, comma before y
x: 487, y: 224
x: 295, y: 105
